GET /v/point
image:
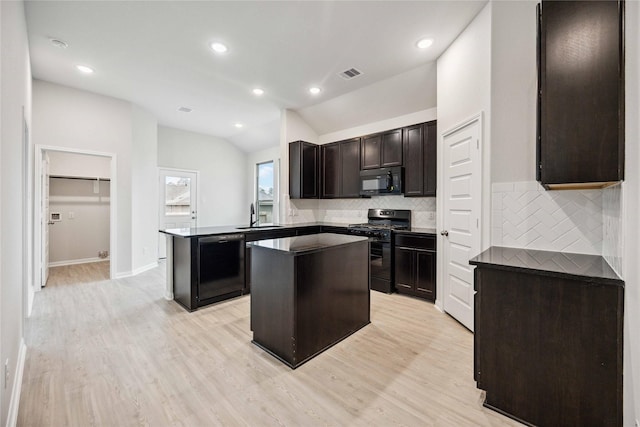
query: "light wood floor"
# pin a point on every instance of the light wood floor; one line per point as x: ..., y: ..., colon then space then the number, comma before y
x: 115, y: 353
x: 78, y: 273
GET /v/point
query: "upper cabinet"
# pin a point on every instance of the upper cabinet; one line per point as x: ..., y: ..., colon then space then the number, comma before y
x: 304, y: 170
x: 581, y: 94
x: 420, y: 160
x: 341, y: 169
x: 382, y: 150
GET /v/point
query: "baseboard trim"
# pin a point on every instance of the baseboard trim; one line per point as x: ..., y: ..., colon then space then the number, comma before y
x: 144, y: 268
x: 77, y: 261
x: 137, y: 271
x: 14, y: 404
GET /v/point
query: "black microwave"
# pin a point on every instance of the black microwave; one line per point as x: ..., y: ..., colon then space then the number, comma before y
x: 381, y: 181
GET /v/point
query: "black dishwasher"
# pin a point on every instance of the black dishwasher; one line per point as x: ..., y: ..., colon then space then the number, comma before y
x: 220, y: 267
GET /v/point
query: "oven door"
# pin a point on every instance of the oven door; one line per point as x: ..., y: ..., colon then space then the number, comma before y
x: 380, y: 261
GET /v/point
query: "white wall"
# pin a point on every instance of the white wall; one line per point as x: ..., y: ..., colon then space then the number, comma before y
x: 631, y: 221
x: 421, y: 116
x: 464, y: 90
x: 79, y: 165
x: 513, y: 90
x: 75, y: 119
x: 222, y: 166
x: 15, y: 85
x: 144, y: 190
x: 83, y: 229
x: 293, y: 128
x: 266, y: 155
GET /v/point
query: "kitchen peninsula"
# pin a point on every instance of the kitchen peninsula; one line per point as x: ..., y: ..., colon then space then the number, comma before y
x: 308, y: 293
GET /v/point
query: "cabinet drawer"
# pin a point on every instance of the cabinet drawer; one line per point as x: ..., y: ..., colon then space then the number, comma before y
x: 416, y: 241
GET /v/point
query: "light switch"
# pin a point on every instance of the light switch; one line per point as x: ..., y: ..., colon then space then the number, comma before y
x: 72, y: 215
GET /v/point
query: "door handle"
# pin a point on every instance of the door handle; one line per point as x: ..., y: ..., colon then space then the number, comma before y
x: 444, y: 233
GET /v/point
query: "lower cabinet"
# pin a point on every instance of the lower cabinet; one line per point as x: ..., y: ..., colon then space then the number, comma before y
x: 415, y: 265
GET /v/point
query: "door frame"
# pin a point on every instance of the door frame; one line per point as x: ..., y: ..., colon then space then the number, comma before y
x: 484, y: 197
x: 161, y: 202
x: 37, y: 208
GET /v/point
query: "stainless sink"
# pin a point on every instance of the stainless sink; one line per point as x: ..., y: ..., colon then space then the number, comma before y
x: 257, y: 226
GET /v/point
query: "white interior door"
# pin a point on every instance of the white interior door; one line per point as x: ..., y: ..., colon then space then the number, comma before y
x: 461, y: 220
x: 45, y: 221
x: 178, y: 202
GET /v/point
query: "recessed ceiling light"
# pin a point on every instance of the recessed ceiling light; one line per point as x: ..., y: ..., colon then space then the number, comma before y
x: 315, y: 90
x: 185, y: 109
x: 424, y: 43
x: 84, y: 69
x: 218, y: 47
x: 258, y: 92
x: 238, y: 125
x: 59, y: 43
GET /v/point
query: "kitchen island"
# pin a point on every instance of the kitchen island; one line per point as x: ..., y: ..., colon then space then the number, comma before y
x: 308, y: 293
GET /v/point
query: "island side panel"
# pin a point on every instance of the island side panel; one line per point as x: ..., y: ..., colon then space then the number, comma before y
x: 332, y: 295
x: 185, y: 273
x: 272, y: 302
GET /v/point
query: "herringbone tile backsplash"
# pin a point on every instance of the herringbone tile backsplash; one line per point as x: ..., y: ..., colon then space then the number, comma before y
x: 525, y: 215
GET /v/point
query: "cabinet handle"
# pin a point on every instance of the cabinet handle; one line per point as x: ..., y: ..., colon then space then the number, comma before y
x: 444, y: 233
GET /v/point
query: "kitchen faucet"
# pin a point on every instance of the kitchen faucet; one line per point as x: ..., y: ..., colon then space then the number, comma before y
x: 252, y: 212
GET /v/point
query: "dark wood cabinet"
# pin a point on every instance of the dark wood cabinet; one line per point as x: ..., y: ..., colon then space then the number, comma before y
x: 350, y: 163
x: 548, y: 344
x: 304, y: 168
x: 381, y: 150
x: 420, y: 159
x: 341, y: 169
x: 415, y: 265
x: 581, y: 94
x: 331, y: 170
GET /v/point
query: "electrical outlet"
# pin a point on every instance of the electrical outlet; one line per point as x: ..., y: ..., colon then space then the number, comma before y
x: 431, y: 216
x: 6, y: 373
x: 72, y: 215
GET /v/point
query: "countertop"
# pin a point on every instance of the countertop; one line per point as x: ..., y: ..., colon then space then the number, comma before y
x: 305, y: 244
x: 234, y: 229
x: 557, y: 264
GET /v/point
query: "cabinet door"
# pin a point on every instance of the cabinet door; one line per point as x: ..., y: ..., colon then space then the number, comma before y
x: 581, y: 135
x: 404, y: 265
x: 370, y: 152
x: 310, y: 170
x: 330, y: 171
x: 350, y: 159
x: 430, y: 143
x: 413, y: 167
x: 391, y: 154
x: 425, y: 279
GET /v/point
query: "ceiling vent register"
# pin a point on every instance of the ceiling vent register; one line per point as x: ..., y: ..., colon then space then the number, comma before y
x: 350, y: 74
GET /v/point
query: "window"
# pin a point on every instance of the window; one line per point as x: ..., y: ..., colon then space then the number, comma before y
x: 177, y: 195
x: 265, y: 190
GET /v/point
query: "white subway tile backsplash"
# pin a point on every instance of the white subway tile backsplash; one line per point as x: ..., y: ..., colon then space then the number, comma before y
x: 524, y: 215
x: 349, y: 211
x: 613, y: 241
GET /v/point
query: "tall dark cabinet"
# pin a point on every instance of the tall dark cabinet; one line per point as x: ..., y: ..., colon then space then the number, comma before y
x: 304, y: 168
x: 420, y: 143
x: 581, y: 94
x: 341, y: 169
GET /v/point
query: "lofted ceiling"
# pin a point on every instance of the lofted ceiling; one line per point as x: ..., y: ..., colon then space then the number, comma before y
x: 156, y: 54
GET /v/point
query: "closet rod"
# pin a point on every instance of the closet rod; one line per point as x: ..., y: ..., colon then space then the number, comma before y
x: 80, y: 177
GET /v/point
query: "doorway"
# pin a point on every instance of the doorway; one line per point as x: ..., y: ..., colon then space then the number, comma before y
x: 461, y: 223
x: 178, y: 202
x: 82, y: 204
